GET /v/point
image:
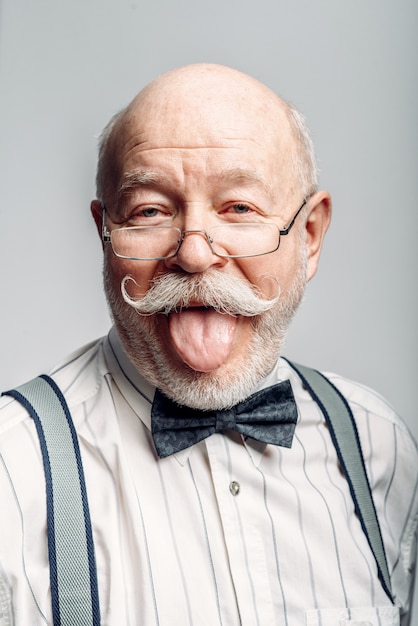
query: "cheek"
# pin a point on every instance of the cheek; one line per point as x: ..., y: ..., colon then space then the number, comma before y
x: 273, y: 270
x: 264, y: 273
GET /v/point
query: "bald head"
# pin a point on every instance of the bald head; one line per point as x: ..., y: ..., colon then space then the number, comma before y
x: 208, y: 92
x: 202, y: 105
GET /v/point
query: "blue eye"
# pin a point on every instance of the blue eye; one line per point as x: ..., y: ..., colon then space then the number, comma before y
x: 150, y: 212
x: 241, y: 208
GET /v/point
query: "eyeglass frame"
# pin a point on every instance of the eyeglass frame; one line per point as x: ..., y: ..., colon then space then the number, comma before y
x: 107, y: 238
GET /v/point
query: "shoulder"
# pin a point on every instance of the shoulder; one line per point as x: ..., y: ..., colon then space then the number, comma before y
x: 370, y: 409
x: 78, y: 376
x: 372, y: 412
x: 388, y: 447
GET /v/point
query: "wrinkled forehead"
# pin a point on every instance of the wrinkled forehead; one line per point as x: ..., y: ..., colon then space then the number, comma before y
x: 203, y: 109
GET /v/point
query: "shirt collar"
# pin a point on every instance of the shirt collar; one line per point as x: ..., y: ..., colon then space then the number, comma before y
x: 137, y: 391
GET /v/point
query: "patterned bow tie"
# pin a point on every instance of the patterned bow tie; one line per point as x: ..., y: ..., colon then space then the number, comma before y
x: 269, y: 415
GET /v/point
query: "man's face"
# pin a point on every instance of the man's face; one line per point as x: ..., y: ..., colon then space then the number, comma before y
x: 194, y: 167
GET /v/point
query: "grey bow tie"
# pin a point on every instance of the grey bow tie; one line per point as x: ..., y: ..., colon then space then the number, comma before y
x: 268, y: 415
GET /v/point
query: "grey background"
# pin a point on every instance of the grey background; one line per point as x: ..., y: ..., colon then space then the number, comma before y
x: 351, y: 67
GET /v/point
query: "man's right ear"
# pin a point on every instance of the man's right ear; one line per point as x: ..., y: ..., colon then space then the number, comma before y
x: 96, y: 208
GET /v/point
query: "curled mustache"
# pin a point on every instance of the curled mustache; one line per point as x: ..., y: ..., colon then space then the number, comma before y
x: 222, y: 292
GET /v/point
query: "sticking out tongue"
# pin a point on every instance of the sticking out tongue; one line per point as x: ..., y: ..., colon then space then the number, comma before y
x: 202, y: 337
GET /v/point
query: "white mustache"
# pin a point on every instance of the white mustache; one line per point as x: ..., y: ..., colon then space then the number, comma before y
x: 222, y: 292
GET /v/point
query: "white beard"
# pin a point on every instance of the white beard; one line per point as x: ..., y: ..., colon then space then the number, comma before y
x: 206, y: 390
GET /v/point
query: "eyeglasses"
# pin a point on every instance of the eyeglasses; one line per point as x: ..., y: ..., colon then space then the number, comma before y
x: 232, y: 241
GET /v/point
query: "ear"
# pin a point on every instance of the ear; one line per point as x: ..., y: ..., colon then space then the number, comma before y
x: 97, y: 213
x: 317, y: 221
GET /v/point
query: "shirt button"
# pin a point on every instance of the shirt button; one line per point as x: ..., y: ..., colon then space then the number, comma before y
x: 234, y: 488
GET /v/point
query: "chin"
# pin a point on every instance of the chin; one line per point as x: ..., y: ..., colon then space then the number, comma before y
x: 232, y: 382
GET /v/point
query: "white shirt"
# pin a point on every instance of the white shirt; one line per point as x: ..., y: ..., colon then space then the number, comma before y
x: 225, y: 533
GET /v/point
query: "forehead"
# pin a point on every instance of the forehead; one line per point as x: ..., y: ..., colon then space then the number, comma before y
x: 238, y: 133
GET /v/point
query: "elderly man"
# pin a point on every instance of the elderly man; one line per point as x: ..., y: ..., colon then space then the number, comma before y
x: 211, y: 223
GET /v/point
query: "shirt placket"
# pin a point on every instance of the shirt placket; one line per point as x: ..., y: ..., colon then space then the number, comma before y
x: 246, y: 526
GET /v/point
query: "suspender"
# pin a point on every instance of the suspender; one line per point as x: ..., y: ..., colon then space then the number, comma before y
x: 345, y: 437
x: 75, y: 598
x: 73, y: 577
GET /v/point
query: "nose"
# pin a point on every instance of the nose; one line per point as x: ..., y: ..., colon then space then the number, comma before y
x: 194, y: 254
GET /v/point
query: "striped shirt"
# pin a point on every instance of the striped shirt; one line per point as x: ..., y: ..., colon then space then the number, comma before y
x: 228, y: 532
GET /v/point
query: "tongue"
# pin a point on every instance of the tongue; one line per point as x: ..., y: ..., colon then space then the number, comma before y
x: 202, y: 337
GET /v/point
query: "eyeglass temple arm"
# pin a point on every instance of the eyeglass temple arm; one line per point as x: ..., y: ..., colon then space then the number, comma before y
x: 286, y: 231
x: 105, y: 230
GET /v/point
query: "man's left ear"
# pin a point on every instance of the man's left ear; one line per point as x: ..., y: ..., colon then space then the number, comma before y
x: 317, y: 222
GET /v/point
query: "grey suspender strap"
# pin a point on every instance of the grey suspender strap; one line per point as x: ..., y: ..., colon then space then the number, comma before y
x: 345, y: 437
x: 73, y: 577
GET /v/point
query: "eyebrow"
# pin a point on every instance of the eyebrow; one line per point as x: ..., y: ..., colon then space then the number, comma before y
x: 141, y: 178
x: 241, y: 175
x: 231, y: 175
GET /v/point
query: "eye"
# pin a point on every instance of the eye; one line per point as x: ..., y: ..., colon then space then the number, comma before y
x: 238, y: 211
x: 151, y: 211
x: 241, y: 208
x: 148, y: 214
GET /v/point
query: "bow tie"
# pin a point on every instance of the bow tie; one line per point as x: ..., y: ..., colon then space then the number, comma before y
x: 268, y: 415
